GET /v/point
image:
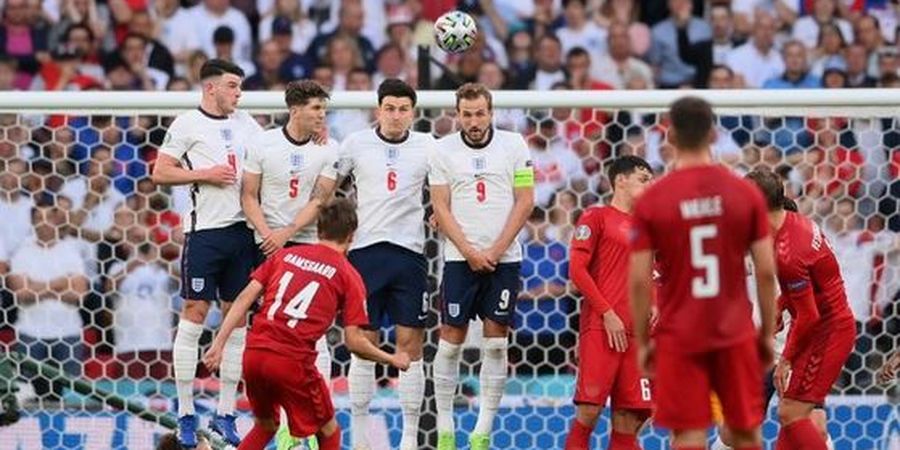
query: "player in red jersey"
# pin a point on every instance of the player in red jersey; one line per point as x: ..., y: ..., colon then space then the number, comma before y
x: 699, y: 221
x: 607, y: 356
x: 303, y: 289
x: 822, y: 331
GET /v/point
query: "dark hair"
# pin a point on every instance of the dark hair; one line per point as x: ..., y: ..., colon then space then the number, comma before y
x: 626, y: 165
x: 337, y: 220
x: 565, y: 3
x: 724, y: 67
x: 300, y: 92
x: 692, y: 120
x: 471, y: 91
x: 216, y: 67
x: 577, y: 51
x: 393, y: 87
x: 79, y: 26
x: 772, y: 187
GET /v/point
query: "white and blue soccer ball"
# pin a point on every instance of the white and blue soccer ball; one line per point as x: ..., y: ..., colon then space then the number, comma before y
x: 455, y: 32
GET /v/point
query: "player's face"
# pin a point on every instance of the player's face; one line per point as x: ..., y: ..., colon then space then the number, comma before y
x: 637, y: 182
x: 311, y: 115
x: 227, y: 91
x: 395, y: 115
x: 475, y: 118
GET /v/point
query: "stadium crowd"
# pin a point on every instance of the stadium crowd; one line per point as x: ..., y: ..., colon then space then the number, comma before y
x: 85, y: 229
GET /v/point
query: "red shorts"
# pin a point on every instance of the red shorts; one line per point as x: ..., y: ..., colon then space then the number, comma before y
x: 604, y: 373
x: 818, y: 364
x: 684, y: 382
x: 272, y: 381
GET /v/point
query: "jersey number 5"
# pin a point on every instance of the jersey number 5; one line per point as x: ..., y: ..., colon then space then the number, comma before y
x: 232, y: 161
x: 705, y: 286
x: 293, y: 187
x: 298, y: 305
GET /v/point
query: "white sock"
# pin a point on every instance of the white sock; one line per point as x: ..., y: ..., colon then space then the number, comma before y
x: 323, y: 360
x: 362, y: 389
x: 828, y: 442
x: 719, y: 445
x: 185, y: 355
x: 230, y: 370
x: 446, y: 378
x: 493, y: 383
x: 412, y: 392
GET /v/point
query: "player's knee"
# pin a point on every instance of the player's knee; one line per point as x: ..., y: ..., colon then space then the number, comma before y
x: 726, y: 436
x: 744, y: 438
x: 195, y: 311
x: 453, y: 335
x: 628, y: 421
x: 588, y: 414
x: 328, y: 429
x: 410, y: 341
x: 495, y: 347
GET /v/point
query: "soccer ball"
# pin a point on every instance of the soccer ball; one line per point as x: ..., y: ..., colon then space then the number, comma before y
x: 455, y: 32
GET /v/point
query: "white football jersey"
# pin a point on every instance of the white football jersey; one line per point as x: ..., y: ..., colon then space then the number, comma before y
x: 390, y: 177
x: 201, y: 141
x: 143, y: 315
x: 288, y: 170
x: 482, y: 183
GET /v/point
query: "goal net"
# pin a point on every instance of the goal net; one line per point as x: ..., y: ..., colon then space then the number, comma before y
x: 839, y: 152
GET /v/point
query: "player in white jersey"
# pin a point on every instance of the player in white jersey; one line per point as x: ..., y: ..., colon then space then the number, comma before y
x: 390, y: 165
x: 287, y: 176
x: 204, y: 149
x: 482, y: 190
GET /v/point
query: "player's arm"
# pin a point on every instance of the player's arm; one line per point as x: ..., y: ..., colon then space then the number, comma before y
x: 889, y: 371
x: 168, y: 171
x: 322, y: 191
x: 361, y: 346
x: 250, y: 183
x: 762, y: 254
x: 640, y: 288
x: 236, y: 314
x: 523, y: 195
x: 440, y: 201
x: 25, y: 290
x: 798, y: 292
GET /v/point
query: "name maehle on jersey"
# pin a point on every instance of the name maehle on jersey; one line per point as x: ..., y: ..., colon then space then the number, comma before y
x: 201, y: 141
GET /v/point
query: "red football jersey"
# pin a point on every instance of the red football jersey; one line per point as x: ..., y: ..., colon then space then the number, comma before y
x: 598, y: 265
x: 810, y: 280
x: 701, y: 221
x: 304, y: 288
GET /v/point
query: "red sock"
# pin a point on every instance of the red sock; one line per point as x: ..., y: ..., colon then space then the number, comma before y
x: 622, y: 441
x: 579, y: 436
x: 257, y: 439
x: 332, y: 442
x: 800, y: 435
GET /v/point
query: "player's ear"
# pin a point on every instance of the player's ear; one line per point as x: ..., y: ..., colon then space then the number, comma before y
x: 671, y: 137
x: 713, y: 135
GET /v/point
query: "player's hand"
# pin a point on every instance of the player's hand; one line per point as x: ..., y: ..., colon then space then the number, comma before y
x: 221, y: 175
x: 889, y: 371
x: 401, y: 360
x: 212, y: 358
x: 479, y: 261
x: 766, y: 347
x: 646, y: 357
x: 433, y: 223
x: 615, y: 331
x: 320, y: 137
x: 275, y: 240
x: 782, y: 374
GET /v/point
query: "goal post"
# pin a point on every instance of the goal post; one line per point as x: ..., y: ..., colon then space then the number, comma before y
x: 838, y: 150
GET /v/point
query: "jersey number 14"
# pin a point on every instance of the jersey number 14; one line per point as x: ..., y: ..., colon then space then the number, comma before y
x: 297, y: 306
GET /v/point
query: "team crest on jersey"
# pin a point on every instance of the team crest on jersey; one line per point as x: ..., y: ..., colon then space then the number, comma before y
x: 296, y: 162
x: 453, y: 309
x: 479, y: 165
x: 582, y: 233
x: 392, y: 154
x: 197, y: 284
x: 226, y: 134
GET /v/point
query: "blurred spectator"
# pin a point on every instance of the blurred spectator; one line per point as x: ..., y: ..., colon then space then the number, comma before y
x: 868, y: 35
x: 857, y: 58
x: 8, y: 68
x: 268, y: 68
x: 224, y: 45
x: 159, y: 56
x: 324, y: 75
x: 210, y: 16
x: 390, y: 62
x: 295, y: 65
x: 301, y: 29
x: 626, y: 12
x: 79, y: 12
x: 834, y: 79
x: 63, y: 73
x: 681, y: 47
x: 143, y: 314
x: 757, y: 60
x: 466, y: 71
x: 80, y: 40
x: 95, y: 214
x: 519, y: 51
x: 556, y: 166
x: 829, y: 54
x: 617, y: 66
x: 579, y: 31
x: 796, y: 73
x: 48, y: 284
x: 723, y: 37
x: 494, y: 77
x: 349, y: 26
x: 343, y: 122
x: 136, y: 51
x: 120, y: 77
x: 548, y: 69
x: 342, y: 56
x: 23, y: 38
x: 783, y: 12
x: 887, y: 65
x: 806, y: 28
x: 176, y: 31
x: 15, y: 208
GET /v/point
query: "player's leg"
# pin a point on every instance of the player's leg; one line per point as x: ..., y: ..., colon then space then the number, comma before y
x: 458, y: 289
x: 361, y: 381
x: 820, y: 418
x: 262, y: 384
x: 631, y: 401
x: 597, y: 367
x: 682, y: 407
x: 200, y: 261
x: 736, y: 376
x: 233, y: 279
x: 495, y: 306
x: 408, y: 310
